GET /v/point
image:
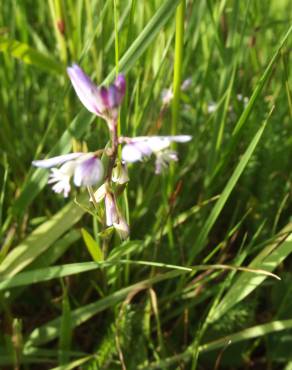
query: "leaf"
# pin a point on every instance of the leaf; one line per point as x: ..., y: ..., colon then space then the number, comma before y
x: 246, y: 334
x: 48, y: 273
x: 202, y: 237
x: 28, y: 55
x: 243, y: 119
x: 271, y: 257
x: 50, y: 330
x: 253, y: 332
x: 65, y: 330
x: 74, y: 364
x: 40, y: 240
x: 153, y: 27
x: 92, y: 246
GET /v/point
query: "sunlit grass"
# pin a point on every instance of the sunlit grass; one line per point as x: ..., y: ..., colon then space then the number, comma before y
x: 225, y: 203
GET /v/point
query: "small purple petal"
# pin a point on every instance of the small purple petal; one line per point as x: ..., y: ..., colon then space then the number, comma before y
x: 116, y: 91
x: 55, y: 161
x: 120, y: 83
x: 103, y: 92
x: 111, y: 212
x: 144, y: 148
x: 85, y: 89
x: 88, y: 172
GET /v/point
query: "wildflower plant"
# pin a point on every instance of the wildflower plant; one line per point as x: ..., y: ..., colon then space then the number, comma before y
x: 87, y: 169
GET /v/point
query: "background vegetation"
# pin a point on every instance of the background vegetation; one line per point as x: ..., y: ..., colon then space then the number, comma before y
x: 226, y: 203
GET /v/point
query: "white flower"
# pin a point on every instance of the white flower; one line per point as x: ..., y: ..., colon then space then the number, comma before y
x: 212, y: 107
x: 138, y: 148
x: 163, y: 159
x: 61, y: 178
x: 167, y: 94
x: 85, y: 168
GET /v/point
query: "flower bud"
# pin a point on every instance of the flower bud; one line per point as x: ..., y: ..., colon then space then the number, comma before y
x: 111, y: 212
x: 122, y: 228
x: 120, y: 174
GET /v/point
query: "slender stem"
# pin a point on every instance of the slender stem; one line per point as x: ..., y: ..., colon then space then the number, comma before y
x: 177, y: 77
x: 179, y: 39
x: 114, y: 150
x: 116, y: 17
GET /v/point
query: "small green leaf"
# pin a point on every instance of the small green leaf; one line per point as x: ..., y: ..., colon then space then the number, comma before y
x: 92, y: 246
x: 107, y: 232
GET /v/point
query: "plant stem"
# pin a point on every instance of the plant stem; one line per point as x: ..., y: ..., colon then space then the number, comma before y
x: 179, y: 39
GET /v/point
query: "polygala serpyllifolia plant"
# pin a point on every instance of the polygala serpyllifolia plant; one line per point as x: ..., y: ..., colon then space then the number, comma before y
x: 87, y: 169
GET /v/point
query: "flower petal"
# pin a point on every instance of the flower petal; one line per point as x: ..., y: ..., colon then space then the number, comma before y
x: 99, y: 194
x: 122, y: 228
x: 111, y: 212
x: 157, y: 143
x: 85, y: 89
x: 62, y: 186
x: 135, y: 151
x: 88, y: 172
x: 180, y: 138
x: 163, y: 159
x: 130, y: 153
x: 120, y: 83
x: 55, y: 161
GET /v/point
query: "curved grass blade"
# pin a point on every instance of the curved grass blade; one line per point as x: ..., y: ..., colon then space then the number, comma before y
x: 202, y: 237
x: 159, y: 19
x: 28, y: 55
x: 50, y: 330
x: 246, y: 334
x: 271, y: 257
x: 56, y: 272
x: 40, y: 240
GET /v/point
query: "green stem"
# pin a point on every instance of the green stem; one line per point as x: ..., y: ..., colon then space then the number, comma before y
x: 179, y: 39
x: 116, y: 18
x: 177, y: 77
x: 116, y: 35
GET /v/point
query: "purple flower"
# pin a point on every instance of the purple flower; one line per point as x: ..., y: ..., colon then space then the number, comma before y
x: 138, y: 148
x: 102, y: 101
x: 85, y: 168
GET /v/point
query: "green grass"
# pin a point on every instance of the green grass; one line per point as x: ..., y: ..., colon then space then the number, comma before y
x: 193, y: 286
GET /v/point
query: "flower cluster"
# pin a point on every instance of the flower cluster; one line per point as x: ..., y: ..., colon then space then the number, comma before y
x: 87, y: 169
